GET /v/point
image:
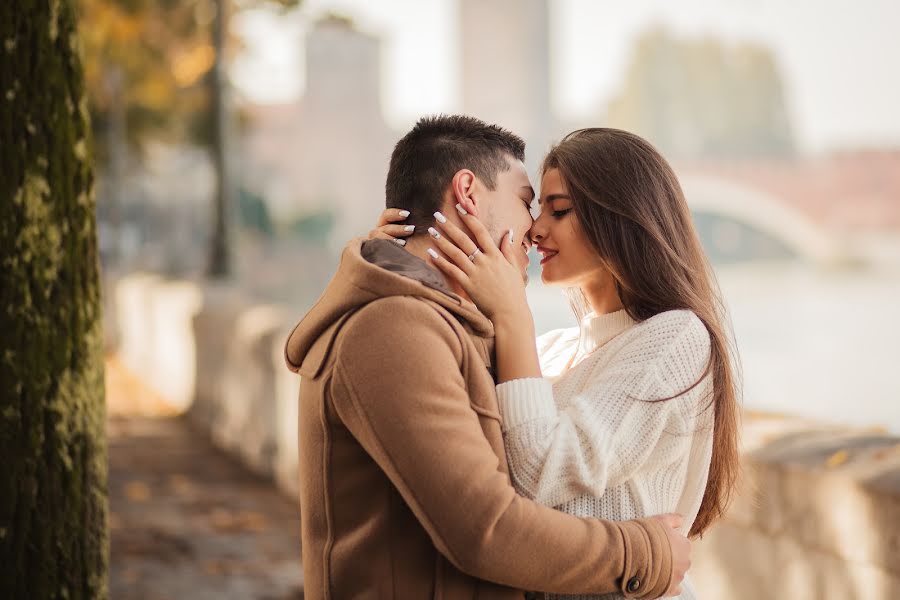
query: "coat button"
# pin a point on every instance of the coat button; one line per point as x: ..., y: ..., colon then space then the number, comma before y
x: 634, y: 584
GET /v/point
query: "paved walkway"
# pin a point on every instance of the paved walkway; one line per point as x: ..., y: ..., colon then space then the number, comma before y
x: 187, y: 521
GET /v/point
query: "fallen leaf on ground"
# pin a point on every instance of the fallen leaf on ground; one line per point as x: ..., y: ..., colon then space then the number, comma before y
x: 225, y: 520
x: 837, y: 459
x: 137, y: 491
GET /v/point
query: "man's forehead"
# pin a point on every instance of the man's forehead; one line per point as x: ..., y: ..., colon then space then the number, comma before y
x: 517, y: 166
x: 517, y: 173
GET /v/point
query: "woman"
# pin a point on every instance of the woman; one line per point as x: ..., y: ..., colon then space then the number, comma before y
x: 634, y: 412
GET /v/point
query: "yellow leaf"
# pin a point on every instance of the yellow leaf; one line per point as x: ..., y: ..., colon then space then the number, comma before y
x: 837, y: 459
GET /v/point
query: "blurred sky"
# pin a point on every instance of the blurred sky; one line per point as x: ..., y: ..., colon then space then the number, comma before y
x: 840, y: 60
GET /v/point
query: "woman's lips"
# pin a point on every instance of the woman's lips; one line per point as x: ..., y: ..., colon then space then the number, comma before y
x: 548, y: 256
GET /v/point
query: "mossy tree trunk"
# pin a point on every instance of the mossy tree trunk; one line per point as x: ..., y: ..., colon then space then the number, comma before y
x: 53, y: 532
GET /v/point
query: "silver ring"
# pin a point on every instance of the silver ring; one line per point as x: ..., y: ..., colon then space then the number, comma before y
x: 474, y: 254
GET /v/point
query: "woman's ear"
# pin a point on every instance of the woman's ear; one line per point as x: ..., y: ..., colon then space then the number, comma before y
x: 463, y: 187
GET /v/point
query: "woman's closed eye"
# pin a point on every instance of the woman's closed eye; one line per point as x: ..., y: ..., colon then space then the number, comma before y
x: 558, y: 214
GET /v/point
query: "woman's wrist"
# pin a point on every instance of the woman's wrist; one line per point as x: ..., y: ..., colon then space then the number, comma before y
x: 518, y: 323
x: 515, y: 350
x: 514, y: 311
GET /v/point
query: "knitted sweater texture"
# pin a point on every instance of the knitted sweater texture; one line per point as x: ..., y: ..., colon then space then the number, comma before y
x: 615, y: 429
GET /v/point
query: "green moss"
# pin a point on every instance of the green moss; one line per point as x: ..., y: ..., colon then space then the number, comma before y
x: 53, y: 524
x: 39, y: 237
x: 53, y: 30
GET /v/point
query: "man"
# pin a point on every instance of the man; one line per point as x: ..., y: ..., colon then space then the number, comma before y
x: 404, y: 484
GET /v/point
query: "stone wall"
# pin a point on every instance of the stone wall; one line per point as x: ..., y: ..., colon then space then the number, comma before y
x: 817, y: 516
x: 218, y: 356
x: 153, y: 331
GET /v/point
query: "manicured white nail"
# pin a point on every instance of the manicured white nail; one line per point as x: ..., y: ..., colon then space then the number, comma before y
x: 510, y: 236
x: 434, y: 233
x: 440, y: 218
x: 400, y: 242
x: 432, y: 253
x: 404, y: 213
x: 460, y: 209
x: 409, y: 228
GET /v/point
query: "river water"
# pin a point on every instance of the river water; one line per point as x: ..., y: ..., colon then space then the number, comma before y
x: 817, y: 343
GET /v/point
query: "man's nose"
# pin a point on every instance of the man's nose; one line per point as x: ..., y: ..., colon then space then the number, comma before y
x: 536, y: 233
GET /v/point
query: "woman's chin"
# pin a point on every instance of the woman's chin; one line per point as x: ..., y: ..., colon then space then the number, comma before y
x: 551, y: 279
x: 547, y: 277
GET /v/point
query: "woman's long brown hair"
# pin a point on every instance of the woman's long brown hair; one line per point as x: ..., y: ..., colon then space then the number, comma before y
x: 632, y: 210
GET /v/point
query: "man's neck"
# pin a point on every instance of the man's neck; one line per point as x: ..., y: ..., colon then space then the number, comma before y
x: 418, y: 245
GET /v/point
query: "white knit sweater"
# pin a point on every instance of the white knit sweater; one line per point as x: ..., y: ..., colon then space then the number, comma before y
x: 588, y: 439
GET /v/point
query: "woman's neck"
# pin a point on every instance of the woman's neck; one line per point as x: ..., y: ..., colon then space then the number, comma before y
x: 602, y: 296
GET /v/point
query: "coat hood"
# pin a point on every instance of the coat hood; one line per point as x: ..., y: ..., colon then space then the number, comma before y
x: 369, y: 270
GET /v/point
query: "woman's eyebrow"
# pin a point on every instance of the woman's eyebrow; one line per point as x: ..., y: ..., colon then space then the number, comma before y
x: 552, y: 197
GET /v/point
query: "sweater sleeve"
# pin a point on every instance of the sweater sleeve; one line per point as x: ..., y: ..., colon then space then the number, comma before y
x: 619, y: 423
x: 410, y: 410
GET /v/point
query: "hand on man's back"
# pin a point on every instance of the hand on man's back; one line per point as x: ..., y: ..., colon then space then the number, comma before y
x: 681, y: 551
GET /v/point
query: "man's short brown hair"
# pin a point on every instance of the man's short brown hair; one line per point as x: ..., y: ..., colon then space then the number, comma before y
x: 425, y: 160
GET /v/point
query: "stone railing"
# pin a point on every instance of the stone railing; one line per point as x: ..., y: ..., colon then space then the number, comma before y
x: 217, y: 356
x: 817, y: 517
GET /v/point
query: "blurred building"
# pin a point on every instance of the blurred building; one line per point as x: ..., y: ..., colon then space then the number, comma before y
x: 324, y: 159
x: 704, y: 98
x: 505, y: 68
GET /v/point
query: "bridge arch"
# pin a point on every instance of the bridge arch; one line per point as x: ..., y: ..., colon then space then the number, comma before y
x: 738, y: 223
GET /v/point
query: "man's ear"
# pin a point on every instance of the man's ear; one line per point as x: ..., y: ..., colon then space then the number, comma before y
x: 463, y: 188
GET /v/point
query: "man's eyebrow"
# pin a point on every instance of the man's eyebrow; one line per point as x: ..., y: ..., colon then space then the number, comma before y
x: 529, y: 196
x: 552, y: 197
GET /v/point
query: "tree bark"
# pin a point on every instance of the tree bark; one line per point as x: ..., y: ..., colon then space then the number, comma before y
x: 53, y: 512
x: 220, y: 248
